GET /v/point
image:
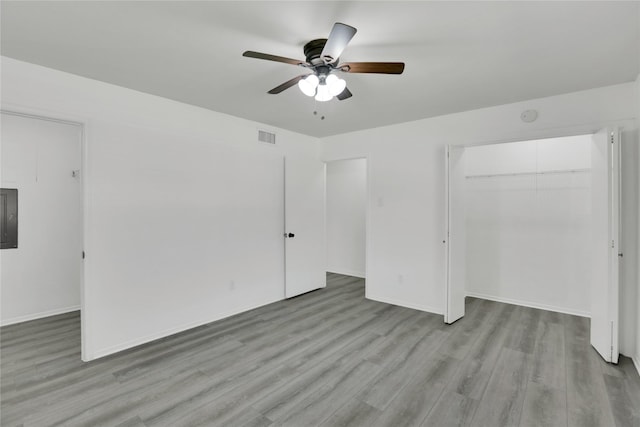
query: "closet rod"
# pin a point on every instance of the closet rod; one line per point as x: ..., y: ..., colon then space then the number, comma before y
x: 551, y: 172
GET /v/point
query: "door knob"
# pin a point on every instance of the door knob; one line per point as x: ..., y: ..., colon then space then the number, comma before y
x: 291, y: 235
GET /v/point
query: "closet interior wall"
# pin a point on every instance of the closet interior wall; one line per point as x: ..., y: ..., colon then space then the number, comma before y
x: 529, y: 223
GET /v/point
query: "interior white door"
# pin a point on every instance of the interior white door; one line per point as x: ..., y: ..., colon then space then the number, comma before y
x: 605, y: 184
x: 456, y: 235
x: 305, y: 255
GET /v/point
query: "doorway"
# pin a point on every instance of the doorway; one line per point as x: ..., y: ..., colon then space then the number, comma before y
x: 41, y: 161
x: 346, y: 211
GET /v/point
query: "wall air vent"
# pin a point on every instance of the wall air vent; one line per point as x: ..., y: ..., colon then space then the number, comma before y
x: 268, y: 137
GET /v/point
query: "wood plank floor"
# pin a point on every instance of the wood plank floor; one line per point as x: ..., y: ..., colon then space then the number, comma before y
x: 326, y: 358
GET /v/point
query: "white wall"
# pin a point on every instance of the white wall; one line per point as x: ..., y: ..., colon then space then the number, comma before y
x: 41, y: 277
x: 179, y: 201
x: 346, y: 216
x: 407, y: 216
x: 528, y: 223
x: 406, y: 166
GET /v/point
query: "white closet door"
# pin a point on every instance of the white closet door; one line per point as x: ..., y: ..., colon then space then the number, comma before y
x: 456, y: 235
x: 305, y: 254
x: 605, y: 155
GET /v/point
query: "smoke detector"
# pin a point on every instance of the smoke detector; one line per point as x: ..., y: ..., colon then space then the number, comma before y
x: 529, y: 116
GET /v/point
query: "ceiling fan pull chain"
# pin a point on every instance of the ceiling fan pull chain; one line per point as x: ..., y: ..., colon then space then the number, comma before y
x: 315, y: 110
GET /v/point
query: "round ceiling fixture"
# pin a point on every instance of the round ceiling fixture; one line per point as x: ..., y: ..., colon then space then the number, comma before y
x: 529, y: 116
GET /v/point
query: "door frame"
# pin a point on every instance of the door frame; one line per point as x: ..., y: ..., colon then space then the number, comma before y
x: 586, y: 129
x: 83, y: 124
x: 368, y: 207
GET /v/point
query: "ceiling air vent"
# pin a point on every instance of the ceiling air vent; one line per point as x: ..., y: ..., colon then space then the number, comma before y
x: 268, y: 137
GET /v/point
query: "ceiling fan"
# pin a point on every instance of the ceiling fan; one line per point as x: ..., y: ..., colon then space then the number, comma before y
x: 322, y: 59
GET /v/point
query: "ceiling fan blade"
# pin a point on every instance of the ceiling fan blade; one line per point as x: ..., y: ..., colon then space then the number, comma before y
x: 372, y: 67
x: 346, y: 93
x: 340, y: 36
x: 259, y: 55
x: 287, y: 84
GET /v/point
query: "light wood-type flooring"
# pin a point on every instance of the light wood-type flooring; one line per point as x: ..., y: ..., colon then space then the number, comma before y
x: 326, y: 358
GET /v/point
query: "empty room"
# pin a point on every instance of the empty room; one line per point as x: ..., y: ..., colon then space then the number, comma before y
x: 320, y: 213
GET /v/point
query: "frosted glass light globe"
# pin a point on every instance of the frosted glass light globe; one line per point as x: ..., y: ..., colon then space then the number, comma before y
x: 308, y: 84
x: 323, y: 93
x: 336, y: 85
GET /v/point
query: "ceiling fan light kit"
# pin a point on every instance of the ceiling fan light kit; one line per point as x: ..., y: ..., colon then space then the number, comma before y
x: 324, y: 88
x: 322, y: 58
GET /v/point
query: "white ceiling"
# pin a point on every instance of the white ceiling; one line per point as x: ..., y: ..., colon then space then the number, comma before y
x: 459, y: 55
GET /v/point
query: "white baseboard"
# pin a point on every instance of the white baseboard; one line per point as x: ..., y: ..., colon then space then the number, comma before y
x: 92, y: 355
x: 636, y: 362
x: 352, y: 273
x: 530, y: 304
x: 428, y: 309
x: 40, y: 315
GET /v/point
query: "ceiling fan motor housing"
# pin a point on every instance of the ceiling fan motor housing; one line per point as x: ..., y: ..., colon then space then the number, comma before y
x: 313, y: 50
